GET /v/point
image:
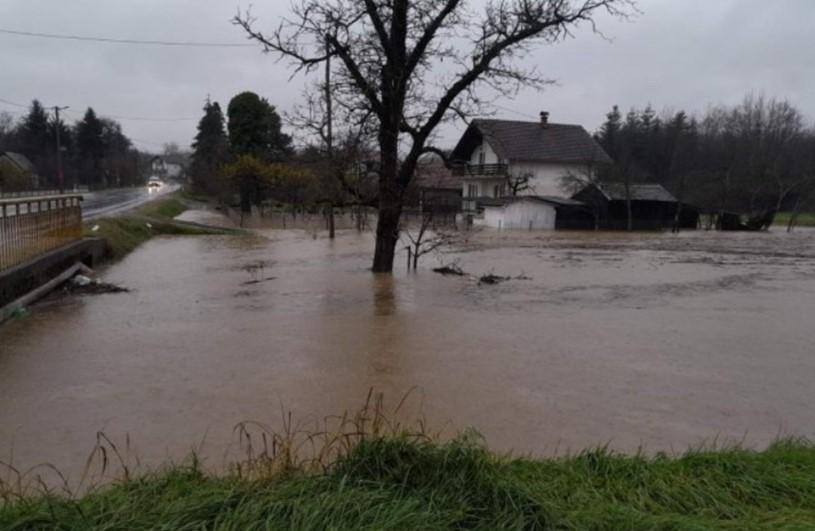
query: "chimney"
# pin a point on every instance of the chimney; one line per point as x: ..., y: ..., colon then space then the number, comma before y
x: 544, y: 119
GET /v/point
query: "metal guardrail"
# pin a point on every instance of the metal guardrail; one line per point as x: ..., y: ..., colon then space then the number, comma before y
x: 42, y: 193
x: 31, y: 226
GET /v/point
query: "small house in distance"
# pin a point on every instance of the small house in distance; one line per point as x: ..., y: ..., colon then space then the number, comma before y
x: 439, y: 189
x: 652, y: 207
x: 17, y: 172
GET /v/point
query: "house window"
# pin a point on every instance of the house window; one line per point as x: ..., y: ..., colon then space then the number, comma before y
x: 472, y: 190
x: 499, y: 190
x: 481, y: 157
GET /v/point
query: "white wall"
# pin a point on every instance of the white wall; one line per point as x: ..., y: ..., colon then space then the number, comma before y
x: 523, y: 214
x: 485, y: 187
x: 490, y: 156
x: 546, y: 177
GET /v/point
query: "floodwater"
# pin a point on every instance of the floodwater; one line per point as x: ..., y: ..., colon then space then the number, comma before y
x: 649, y: 340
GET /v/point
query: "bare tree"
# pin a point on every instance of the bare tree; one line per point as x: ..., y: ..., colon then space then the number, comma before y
x: 517, y: 184
x: 426, y: 239
x: 388, y: 52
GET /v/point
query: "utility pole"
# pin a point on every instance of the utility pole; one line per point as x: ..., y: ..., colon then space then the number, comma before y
x: 57, y: 127
x: 329, y: 133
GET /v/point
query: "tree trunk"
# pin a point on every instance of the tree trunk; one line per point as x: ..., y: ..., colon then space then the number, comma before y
x: 331, y: 224
x: 628, y: 214
x: 387, y: 234
x: 390, y: 197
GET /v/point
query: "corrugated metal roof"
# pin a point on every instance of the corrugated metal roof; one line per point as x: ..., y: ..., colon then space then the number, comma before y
x: 534, y: 142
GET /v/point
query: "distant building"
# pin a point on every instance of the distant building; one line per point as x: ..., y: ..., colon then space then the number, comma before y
x: 652, y: 207
x: 18, y: 166
x: 439, y: 188
x: 168, y: 167
x: 503, y: 158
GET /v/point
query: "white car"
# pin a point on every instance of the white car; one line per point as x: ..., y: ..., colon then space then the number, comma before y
x: 154, y: 183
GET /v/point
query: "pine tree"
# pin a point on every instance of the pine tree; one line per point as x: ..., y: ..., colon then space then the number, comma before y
x: 255, y: 129
x: 90, y: 149
x: 34, y: 135
x: 610, y: 131
x: 209, y: 148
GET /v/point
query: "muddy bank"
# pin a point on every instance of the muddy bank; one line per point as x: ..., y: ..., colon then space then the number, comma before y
x: 631, y: 340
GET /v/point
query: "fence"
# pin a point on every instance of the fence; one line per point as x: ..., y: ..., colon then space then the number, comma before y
x: 42, y: 193
x: 31, y: 226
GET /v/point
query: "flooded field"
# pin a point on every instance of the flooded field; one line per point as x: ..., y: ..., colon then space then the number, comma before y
x: 650, y: 340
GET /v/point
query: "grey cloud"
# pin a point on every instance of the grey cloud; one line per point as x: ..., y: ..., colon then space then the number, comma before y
x: 679, y: 54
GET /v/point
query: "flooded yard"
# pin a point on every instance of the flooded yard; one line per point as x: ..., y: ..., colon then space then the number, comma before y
x: 649, y: 340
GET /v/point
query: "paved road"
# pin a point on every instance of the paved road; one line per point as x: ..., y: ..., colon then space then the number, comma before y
x: 110, y: 202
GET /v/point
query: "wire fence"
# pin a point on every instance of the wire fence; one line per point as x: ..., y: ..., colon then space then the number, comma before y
x: 31, y: 226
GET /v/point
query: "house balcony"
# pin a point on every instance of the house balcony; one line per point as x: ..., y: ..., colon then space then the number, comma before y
x: 487, y: 171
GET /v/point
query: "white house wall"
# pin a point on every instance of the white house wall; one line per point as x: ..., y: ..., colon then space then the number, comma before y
x: 484, y: 187
x: 490, y: 157
x: 545, y: 177
x: 524, y: 215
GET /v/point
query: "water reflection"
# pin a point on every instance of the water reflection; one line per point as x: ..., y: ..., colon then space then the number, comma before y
x: 384, y: 294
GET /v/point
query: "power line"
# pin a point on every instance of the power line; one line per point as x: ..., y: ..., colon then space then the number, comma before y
x: 507, y: 109
x: 114, y: 116
x: 187, y: 44
x: 7, y: 102
x: 142, y: 118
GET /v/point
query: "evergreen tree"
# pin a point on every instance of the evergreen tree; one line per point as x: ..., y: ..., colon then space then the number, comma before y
x: 34, y: 137
x: 209, y: 148
x: 90, y: 149
x: 610, y: 132
x: 255, y: 129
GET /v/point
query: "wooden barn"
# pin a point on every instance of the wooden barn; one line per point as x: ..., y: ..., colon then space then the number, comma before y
x: 652, y: 207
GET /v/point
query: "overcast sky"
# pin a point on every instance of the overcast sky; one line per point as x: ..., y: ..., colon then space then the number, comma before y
x: 676, y: 54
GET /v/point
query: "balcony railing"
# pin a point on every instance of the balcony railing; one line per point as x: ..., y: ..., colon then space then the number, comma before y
x: 480, y: 170
x: 32, y: 226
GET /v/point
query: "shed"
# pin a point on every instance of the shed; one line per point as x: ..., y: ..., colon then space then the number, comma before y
x: 536, y: 213
x: 652, y: 206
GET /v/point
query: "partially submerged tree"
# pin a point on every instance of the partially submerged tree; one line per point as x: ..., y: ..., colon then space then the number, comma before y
x: 252, y: 173
x: 425, y: 239
x: 412, y: 64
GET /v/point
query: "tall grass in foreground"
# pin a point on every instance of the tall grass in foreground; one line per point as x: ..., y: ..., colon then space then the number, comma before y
x: 366, y: 472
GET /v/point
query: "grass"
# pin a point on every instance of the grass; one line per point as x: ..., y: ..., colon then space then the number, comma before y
x: 125, y: 233
x: 403, y: 483
x: 373, y: 475
x: 805, y: 219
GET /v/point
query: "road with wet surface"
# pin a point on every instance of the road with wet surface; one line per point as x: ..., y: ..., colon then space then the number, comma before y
x: 650, y: 340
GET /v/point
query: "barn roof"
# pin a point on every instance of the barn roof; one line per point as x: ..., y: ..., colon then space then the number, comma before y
x: 532, y: 142
x: 435, y: 175
x: 639, y: 192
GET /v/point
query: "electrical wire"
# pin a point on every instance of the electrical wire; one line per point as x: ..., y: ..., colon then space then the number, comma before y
x: 7, y: 102
x: 188, y: 44
x: 113, y: 116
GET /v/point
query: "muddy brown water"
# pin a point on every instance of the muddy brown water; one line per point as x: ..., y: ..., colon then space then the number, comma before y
x: 637, y: 340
